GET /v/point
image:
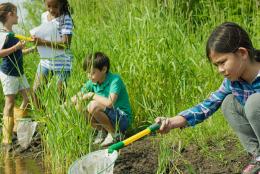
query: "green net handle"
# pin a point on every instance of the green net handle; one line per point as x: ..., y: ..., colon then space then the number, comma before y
x: 154, y: 127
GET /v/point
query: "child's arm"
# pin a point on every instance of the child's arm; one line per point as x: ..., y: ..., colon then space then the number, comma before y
x: 65, y: 43
x: 29, y: 50
x: 8, y: 51
x: 108, y: 102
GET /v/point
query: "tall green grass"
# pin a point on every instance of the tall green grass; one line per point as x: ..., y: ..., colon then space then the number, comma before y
x: 159, y: 49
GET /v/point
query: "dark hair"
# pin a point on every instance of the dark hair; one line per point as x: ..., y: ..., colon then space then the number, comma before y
x: 65, y: 9
x: 228, y: 37
x: 5, y: 8
x: 97, y: 60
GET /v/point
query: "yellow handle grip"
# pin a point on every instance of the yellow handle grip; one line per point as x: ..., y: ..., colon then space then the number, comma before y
x: 136, y: 136
x: 21, y: 37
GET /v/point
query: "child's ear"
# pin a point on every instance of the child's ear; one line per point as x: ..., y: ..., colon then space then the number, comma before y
x: 243, y: 52
x: 104, y: 69
x: 9, y: 14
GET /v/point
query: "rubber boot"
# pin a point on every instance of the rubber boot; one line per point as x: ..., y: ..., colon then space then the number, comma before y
x: 18, y: 114
x: 8, y: 124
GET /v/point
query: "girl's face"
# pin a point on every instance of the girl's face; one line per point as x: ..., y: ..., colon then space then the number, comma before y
x: 12, y: 17
x: 53, y: 6
x: 230, y: 65
x: 97, y: 76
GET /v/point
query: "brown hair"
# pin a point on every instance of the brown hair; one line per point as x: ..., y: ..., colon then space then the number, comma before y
x: 5, y: 8
x: 97, y: 60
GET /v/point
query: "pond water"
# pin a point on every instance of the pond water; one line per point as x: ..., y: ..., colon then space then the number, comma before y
x: 21, y: 165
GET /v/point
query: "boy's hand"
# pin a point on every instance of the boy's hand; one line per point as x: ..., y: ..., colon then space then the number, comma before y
x: 89, y: 95
x: 20, y: 45
x: 74, y: 99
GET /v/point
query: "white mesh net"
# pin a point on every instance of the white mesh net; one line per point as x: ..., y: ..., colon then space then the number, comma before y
x: 98, y: 162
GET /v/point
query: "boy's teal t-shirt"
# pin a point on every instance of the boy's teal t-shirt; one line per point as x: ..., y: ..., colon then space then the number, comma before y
x: 112, y: 84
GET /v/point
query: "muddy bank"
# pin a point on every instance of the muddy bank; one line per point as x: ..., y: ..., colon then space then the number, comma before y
x: 142, y: 157
x: 138, y: 158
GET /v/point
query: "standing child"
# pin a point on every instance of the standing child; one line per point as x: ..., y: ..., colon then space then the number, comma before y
x: 230, y: 49
x: 12, y: 73
x: 60, y: 65
x: 109, y: 107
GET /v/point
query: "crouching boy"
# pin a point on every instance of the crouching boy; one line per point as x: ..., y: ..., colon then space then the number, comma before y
x: 109, y: 109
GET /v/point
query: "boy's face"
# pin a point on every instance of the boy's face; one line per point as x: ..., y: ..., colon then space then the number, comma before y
x: 97, y: 76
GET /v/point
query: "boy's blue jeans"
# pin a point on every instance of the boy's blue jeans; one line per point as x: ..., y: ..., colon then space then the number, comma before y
x: 245, y: 121
x: 118, y: 118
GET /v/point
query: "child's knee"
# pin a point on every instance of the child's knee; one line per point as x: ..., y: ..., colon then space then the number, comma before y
x: 226, y: 104
x: 93, y: 106
x: 252, y: 106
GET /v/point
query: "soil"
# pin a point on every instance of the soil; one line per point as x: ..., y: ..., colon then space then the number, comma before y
x: 141, y: 157
x: 138, y: 158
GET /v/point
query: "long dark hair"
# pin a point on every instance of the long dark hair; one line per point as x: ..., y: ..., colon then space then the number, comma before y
x: 228, y: 37
x: 65, y: 7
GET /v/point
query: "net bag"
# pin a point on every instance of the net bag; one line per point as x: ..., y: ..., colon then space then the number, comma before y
x: 98, y: 162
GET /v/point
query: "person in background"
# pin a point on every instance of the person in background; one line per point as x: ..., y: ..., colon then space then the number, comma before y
x: 58, y: 11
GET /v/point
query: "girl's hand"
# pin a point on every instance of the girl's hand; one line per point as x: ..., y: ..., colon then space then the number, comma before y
x: 38, y: 41
x: 20, y: 45
x: 165, y: 124
x: 170, y: 123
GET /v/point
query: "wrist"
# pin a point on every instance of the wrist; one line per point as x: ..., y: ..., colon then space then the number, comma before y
x: 15, y: 48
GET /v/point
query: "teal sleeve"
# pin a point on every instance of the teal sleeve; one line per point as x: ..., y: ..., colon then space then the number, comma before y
x: 87, y: 87
x: 116, y: 86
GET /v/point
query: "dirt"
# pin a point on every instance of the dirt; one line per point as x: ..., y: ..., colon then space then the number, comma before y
x: 138, y: 158
x: 142, y: 158
x: 224, y: 159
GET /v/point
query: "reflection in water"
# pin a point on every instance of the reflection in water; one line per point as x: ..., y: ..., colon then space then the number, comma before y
x: 20, y: 165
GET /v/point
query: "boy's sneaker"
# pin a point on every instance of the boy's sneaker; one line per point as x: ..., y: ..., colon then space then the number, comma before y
x: 112, y: 138
x: 100, y: 137
x: 108, y: 140
x: 252, y: 168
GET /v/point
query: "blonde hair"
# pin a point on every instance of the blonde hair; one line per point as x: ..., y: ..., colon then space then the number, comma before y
x: 5, y: 8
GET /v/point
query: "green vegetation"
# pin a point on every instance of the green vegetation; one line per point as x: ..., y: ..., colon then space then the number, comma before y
x: 159, y: 49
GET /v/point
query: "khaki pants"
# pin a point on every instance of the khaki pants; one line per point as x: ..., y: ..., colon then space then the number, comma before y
x: 245, y: 121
